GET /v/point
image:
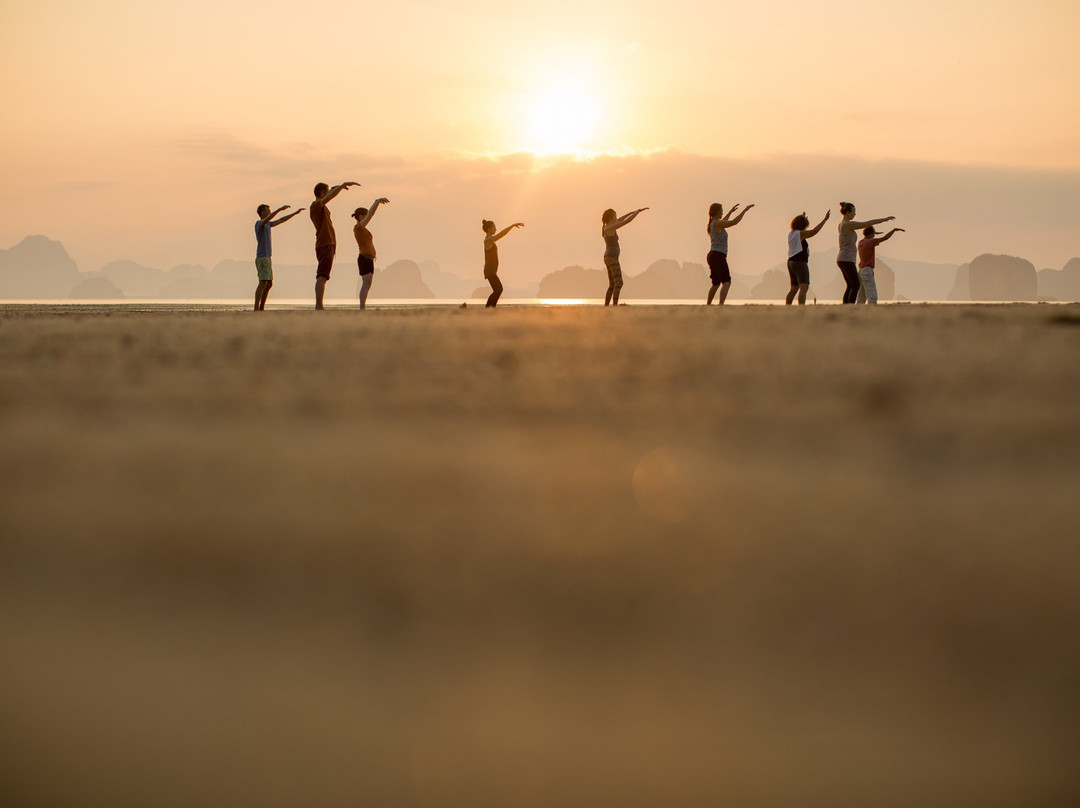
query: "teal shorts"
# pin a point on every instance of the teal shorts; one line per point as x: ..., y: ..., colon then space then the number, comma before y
x: 262, y: 266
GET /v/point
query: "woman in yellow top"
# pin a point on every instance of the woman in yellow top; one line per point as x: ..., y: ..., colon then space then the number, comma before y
x: 366, y: 261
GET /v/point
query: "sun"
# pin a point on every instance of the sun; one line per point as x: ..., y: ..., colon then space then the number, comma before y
x: 561, y: 117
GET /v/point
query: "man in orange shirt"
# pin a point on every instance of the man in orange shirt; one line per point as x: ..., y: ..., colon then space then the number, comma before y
x: 325, y: 238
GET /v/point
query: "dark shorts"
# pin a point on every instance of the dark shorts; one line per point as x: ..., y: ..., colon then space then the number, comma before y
x: 366, y: 265
x: 798, y: 271
x: 325, y: 256
x: 718, y: 268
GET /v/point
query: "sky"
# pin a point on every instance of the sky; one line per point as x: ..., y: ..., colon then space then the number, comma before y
x: 150, y: 131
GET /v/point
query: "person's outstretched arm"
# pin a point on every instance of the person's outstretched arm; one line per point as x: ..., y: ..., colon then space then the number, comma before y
x: 493, y: 238
x: 374, y: 207
x: 337, y: 189
x: 853, y: 225
x: 888, y: 235
x: 816, y: 230
x: 727, y: 221
x: 284, y: 219
x: 624, y: 220
x: 273, y: 213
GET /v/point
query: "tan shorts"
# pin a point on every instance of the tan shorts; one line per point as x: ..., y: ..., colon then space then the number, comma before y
x: 264, y: 269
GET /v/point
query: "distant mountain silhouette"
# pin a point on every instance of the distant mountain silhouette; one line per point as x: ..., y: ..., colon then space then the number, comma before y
x: 96, y: 288
x: 447, y: 285
x: 961, y: 288
x: 37, y: 268
x: 402, y: 279
x: 571, y: 283
x: 135, y: 280
x: 1002, y: 277
x: 1060, y: 284
x: 662, y: 280
x: 774, y: 285
x: 665, y: 279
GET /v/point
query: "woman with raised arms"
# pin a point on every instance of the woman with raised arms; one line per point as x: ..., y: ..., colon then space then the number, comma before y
x: 611, y: 224
x: 798, y: 265
x: 491, y: 259
x: 719, y: 273
x: 365, y: 262
x: 849, y: 251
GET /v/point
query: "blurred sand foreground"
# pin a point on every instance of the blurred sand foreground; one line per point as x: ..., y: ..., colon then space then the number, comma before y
x: 540, y: 557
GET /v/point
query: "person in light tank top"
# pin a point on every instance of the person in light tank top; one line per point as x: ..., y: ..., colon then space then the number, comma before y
x: 848, y: 254
x: 365, y: 262
x: 719, y: 273
x: 798, y: 265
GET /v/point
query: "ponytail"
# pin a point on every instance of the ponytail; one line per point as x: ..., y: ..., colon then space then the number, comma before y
x: 715, y: 209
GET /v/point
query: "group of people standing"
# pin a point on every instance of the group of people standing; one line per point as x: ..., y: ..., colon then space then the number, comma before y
x: 861, y: 286
x: 860, y: 283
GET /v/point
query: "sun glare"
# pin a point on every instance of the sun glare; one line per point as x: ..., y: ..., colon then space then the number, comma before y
x: 561, y: 117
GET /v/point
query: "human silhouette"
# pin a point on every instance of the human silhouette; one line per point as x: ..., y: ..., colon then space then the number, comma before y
x: 263, y: 250
x: 867, y: 259
x: 611, y: 224
x: 719, y: 273
x: 325, y: 238
x: 491, y: 259
x: 845, y: 259
x: 798, y: 265
x: 365, y: 262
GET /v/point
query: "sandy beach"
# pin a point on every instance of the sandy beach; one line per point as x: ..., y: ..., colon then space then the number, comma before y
x: 537, y: 556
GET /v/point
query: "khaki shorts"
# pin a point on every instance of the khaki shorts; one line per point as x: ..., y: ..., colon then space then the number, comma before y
x: 264, y: 269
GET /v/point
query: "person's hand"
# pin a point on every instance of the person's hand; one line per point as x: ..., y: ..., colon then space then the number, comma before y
x: 518, y: 224
x: 899, y: 230
x: 733, y: 208
x: 889, y: 218
x: 382, y: 200
x: 828, y: 213
x: 748, y: 207
x: 286, y: 207
x: 642, y: 210
x: 350, y: 184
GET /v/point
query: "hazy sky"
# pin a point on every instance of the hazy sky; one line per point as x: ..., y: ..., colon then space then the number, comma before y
x: 151, y: 130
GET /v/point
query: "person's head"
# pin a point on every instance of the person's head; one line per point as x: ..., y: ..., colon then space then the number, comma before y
x: 321, y: 189
x: 608, y: 217
x: 262, y: 210
x: 869, y: 232
x: 800, y: 222
x: 488, y: 226
x: 716, y: 210
x: 847, y: 210
x: 359, y: 213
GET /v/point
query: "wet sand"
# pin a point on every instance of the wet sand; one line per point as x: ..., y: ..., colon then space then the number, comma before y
x: 540, y: 556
